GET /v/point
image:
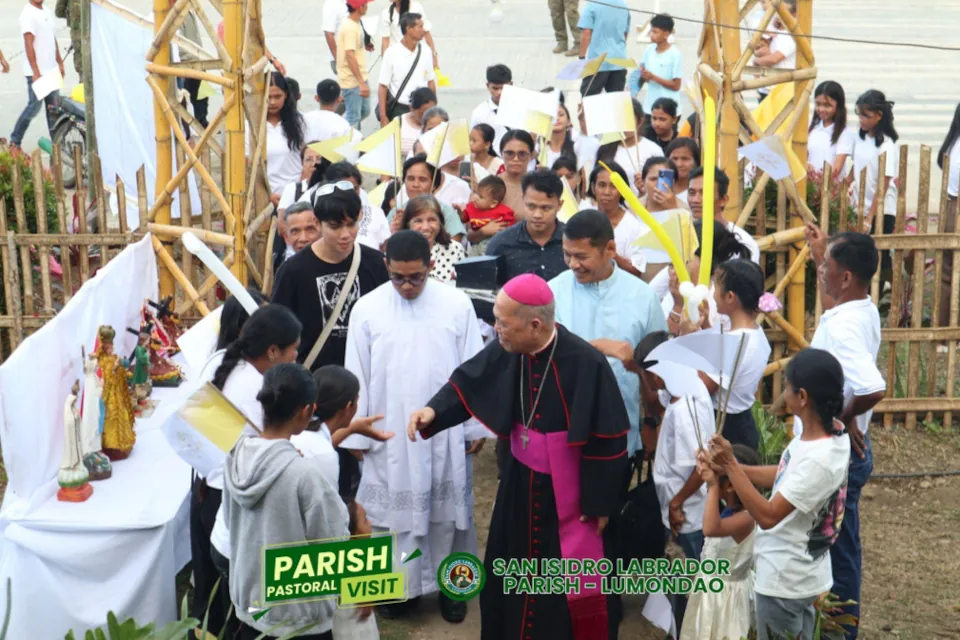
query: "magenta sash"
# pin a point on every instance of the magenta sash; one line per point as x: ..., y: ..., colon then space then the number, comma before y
x: 550, y: 454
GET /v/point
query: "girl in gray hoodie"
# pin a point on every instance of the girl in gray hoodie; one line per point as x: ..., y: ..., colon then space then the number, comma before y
x: 272, y: 495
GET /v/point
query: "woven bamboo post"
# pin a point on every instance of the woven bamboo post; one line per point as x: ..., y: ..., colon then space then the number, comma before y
x: 825, y: 228
x: 938, y: 291
x: 26, y: 265
x: 896, y: 287
x: 12, y: 286
x: 234, y: 164
x: 60, y: 196
x: 161, y: 8
x: 96, y: 179
x: 142, y: 198
x: 186, y: 214
x: 8, y: 257
x: 728, y: 13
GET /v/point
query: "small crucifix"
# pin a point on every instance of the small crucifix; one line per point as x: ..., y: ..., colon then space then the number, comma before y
x: 525, y: 438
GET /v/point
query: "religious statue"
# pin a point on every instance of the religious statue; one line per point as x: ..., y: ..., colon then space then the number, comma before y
x: 73, y: 475
x: 163, y: 372
x: 118, y: 417
x: 141, y: 369
x: 91, y: 421
x: 168, y: 324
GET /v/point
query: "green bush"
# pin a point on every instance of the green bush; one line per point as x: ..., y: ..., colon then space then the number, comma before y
x: 773, y: 435
x: 7, y: 161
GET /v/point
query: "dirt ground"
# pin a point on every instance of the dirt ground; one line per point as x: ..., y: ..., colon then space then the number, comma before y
x: 910, y: 530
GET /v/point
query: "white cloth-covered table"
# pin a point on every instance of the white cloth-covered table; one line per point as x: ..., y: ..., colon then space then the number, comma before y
x: 120, y: 550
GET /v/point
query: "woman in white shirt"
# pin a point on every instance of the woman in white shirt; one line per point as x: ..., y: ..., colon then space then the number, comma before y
x: 285, y: 137
x: 632, y: 151
x: 801, y: 520
x: 390, y: 25
x: 627, y: 227
x: 482, y: 153
x: 951, y: 151
x: 685, y: 154
x: 270, y: 336
x: 737, y: 291
x: 830, y: 140
x: 565, y: 140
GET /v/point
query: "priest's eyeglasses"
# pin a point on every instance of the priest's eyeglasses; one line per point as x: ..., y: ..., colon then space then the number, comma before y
x: 415, y: 279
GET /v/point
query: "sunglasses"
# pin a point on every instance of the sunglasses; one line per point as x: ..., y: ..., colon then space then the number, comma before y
x: 342, y: 185
x: 516, y: 155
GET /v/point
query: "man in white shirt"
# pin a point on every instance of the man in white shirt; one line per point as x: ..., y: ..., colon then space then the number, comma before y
x: 421, y: 491
x: 326, y: 123
x: 498, y: 76
x: 41, y: 58
x: 406, y: 66
x: 850, y: 330
x: 778, y: 51
x: 721, y: 187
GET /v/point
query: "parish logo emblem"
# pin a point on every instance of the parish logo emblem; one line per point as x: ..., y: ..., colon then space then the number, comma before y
x: 461, y: 576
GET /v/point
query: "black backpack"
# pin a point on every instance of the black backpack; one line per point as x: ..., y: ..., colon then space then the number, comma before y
x: 639, y: 529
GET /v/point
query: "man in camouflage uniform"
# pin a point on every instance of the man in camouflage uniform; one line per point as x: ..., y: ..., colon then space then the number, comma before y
x: 69, y: 10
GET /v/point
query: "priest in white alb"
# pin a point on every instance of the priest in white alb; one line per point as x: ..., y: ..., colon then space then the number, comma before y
x: 404, y: 340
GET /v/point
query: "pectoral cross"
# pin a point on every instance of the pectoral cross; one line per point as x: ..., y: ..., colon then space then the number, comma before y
x: 525, y: 438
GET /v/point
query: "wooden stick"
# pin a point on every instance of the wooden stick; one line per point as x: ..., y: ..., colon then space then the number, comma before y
x: 211, y: 281
x: 142, y: 197
x: 253, y: 227
x: 758, y: 191
x: 733, y: 378
x: 710, y: 74
x: 212, y: 237
x: 896, y: 289
x: 780, y: 239
x: 97, y: 179
x: 938, y: 291
x: 12, y: 287
x: 214, y: 64
x: 255, y: 69
x: 259, y: 151
x: 800, y: 203
x: 775, y: 367
x: 26, y: 263
x: 919, y: 269
x: 40, y: 204
x: 825, y: 228
x: 81, y: 207
x: 696, y: 422
x: 181, y: 279
x: 60, y: 197
x: 75, y: 239
x: 782, y: 77
x: 184, y: 72
x: 252, y: 266
x: 268, y: 274
x: 196, y: 127
x: 789, y: 329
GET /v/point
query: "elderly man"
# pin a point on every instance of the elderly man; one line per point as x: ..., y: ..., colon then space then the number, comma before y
x: 607, y: 306
x: 300, y: 229
x: 555, y: 399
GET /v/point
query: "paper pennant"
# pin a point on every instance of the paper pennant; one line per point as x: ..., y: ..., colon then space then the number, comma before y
x: 712, y: 352
x: 446, y: 143
x: 768, y: 154
x: 329, y: 149
x: 381, y: 151
x: 376, y: 196
x: 609, y: 113
x: 531, y: 111
x: 626, y: 63
x: 678, y: 225
x: 579, y: 69
x: 569, y: 206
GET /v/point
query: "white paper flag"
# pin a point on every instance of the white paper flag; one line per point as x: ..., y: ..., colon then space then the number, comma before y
x: 609, y: 113
x: 770, y: 155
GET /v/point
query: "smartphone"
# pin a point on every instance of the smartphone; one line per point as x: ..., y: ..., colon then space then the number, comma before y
x: 665, y: 180
x: 464, y: 171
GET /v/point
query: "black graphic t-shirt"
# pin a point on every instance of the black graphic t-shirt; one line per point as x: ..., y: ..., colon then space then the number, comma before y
x: 309, y: 287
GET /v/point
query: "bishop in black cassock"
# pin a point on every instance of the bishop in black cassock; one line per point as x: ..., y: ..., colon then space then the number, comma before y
x: 556, y: 400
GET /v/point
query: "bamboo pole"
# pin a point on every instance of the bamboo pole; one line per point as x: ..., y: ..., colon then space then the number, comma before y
x: 186, y: 216
x: 896, y: 287
x: 952, y: 345
x: 26, y: 263
x: 122, y: 205
x: 795, y: 336
x: 253, y: 227
x: 796, y: 300
x: 782, y: 77
x: 222, y: 51
x: 208, y: 285
x: 919, y: 268
x: 101, y: 203
x: 234, y: 165
x: 13, y: 288
x: 737, y: 70
x: 268, y: 259
x: 164, y: 256
x: 89, y: 93
x: 170, y: 25
x: 142, y: 197
x: 165, y: 195
x: 60, y: 197
x: 938, y: 291
x: 164, y: 106
x: 253, y: 270
x: 40, y: 204
x: 780, y: 239
x: 880, y: 196
x: 81, y: 196
x: 161, y: 8
x: 184, y: 72
x: 182, y: 43
x: 728, y: 12
x: 223, y: 239
x: 211, y: 141
x: 825, y: 228
x: 258, y: 153
x: 777, y: 366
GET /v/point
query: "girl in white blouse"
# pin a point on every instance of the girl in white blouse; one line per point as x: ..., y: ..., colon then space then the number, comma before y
x: 831, y: 140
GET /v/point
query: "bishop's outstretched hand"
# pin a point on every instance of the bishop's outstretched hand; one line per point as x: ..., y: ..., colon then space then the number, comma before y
x: 420, y: 420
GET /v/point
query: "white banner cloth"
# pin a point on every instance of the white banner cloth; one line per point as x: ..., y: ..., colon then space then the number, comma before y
x: 121, y: 549
x: 126, y: 130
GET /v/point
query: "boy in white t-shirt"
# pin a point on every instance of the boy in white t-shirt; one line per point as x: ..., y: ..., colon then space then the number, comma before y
x: 802, y: 519
x: 680, y: 490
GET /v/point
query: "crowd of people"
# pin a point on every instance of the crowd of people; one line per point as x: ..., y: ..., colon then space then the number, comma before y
x: 365, y: 298
x: 370, y: 383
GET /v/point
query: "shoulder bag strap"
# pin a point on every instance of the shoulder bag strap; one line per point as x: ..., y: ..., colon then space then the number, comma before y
x: 337, y: 309
x: 403, y: 85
